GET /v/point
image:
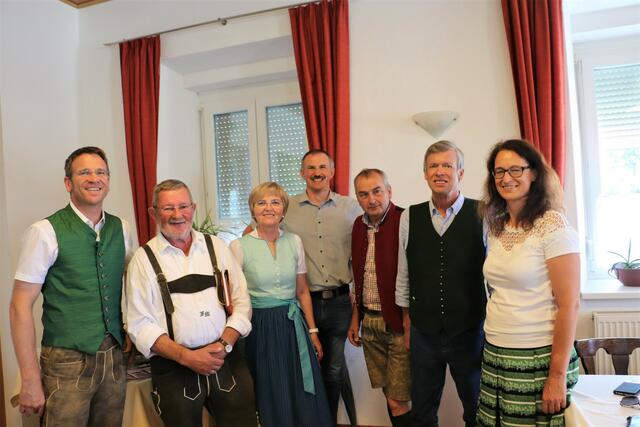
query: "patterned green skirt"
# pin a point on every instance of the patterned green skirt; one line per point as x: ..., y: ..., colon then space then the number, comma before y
x: 511, y: 386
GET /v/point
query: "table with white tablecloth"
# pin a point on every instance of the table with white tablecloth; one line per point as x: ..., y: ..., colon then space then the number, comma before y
x: 593, y: 403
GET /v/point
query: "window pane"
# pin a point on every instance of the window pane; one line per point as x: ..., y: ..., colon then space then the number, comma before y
x: 287, y: 140
x: 233, y: 168
x: 617, y: 94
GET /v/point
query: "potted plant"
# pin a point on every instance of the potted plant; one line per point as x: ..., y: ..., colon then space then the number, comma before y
x: 627, y: 270
x: 207, y: 226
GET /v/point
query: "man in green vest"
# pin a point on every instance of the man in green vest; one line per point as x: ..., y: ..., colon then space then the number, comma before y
x: 76, y: 258
x: 440, y: 287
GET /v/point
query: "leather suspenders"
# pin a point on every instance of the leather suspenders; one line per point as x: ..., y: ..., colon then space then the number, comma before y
x: 164, y: 285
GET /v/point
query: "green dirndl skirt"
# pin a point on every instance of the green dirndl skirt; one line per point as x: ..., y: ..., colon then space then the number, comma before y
x: 511, y: 386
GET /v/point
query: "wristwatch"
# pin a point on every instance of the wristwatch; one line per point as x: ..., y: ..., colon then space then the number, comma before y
x: 228, y: 348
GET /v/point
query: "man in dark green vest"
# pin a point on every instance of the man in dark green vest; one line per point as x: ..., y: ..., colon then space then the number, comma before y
x: 76, y: 258
x: 441, y: 288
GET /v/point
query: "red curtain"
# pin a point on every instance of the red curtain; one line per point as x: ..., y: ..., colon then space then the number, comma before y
x: 320, y: 34
x: 140, y: 70
x: 536, y: 44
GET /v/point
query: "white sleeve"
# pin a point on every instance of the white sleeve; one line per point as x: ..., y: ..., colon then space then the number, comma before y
x: 240, y: 320
x: 128, y: 241
x: 38, y: 252
x: 402, y: 277
x: 560, y: 242
x: 558, y: 238
x: 236, y: 250
x: 145, y: 316
x: 302, y: 265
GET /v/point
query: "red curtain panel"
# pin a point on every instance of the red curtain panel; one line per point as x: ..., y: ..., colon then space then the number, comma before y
x: 320, y: 34
x: 536, y: 46
x: 140, y: 70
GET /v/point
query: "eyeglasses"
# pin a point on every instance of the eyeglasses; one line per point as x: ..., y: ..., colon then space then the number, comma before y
x: 100, y: 173
x: 630, y: 401
x: 170, y: 208
x: 276, y: 203
x: 514, y: 171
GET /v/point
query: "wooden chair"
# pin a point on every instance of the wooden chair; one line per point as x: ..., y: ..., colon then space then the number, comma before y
x: 619, y: 348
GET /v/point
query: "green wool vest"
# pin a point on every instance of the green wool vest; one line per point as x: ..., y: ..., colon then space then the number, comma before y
x: 83, y: 287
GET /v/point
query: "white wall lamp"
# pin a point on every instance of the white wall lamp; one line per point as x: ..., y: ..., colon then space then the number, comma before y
x: 436, y: 122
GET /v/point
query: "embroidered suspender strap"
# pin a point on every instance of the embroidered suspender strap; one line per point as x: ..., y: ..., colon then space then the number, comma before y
x: 221, y: 279
x: 217, y: 274
x: 164, y: 288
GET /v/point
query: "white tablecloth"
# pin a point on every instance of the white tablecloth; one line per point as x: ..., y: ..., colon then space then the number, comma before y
x: 593, y: 403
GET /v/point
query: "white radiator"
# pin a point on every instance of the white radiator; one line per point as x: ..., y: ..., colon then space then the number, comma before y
x: 611, y: 324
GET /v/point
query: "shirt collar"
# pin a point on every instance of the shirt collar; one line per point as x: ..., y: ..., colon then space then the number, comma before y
x: 304, y: 198
x: 368, y: 223
x: 254, y: 233
x: 86, y: 220
x: 455, y: 207
x: 197, y: 242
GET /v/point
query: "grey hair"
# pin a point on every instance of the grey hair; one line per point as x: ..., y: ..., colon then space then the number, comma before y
x: 168, y: 185
x: 367, y: 172
x: 441, y: 147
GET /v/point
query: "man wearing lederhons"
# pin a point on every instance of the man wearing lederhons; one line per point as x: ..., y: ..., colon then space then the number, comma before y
x: 76, y: 258
x: 180, y: 316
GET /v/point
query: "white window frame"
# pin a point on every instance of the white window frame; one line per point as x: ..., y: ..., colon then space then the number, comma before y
x: 590, y: 55
x: 254, y: 99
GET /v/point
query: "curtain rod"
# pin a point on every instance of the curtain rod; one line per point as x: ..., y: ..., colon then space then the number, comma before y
x: 222, y: 21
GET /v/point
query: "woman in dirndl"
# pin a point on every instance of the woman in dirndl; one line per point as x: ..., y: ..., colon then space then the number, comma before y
x: 283, y: 348
x: 532, y: 269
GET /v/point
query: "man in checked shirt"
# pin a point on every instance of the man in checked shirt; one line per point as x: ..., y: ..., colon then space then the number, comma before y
x: 375, y: 261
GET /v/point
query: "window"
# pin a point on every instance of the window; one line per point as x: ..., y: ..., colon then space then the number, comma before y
x: 610, y: 127
x: 252, y: 135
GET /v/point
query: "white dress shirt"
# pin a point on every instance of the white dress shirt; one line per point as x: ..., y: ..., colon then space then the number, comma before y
x: 199, y: 318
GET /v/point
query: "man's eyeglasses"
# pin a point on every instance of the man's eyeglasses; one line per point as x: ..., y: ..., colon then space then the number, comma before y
x: 514, y: 171
x: 170, y: 208
x: 630, y: 402
x: 100, y: 173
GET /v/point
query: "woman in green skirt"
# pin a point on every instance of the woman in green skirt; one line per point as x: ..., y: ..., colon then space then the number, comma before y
x: 533, y: 274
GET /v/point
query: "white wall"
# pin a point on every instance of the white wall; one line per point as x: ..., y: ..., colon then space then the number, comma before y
x: 39, y: 95
x: 179, y: 135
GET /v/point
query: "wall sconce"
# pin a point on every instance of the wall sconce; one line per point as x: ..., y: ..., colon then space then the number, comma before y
x: 435, y: 122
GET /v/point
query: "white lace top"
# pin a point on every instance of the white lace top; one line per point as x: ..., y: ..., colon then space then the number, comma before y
x: 521, y: 309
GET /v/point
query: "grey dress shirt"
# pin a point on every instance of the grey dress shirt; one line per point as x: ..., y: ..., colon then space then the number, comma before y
x: 325, y: 231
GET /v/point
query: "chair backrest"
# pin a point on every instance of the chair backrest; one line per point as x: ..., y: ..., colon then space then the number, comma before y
x: 618, y: 348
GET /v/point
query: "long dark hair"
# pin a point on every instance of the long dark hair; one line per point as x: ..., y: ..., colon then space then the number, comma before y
x: 545, y: 192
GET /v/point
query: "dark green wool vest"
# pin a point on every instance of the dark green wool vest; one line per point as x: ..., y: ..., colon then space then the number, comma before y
x: 445, y: 273
x: 83, y: 287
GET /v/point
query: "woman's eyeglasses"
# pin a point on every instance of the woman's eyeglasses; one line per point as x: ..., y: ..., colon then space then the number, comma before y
x: 514, y: 171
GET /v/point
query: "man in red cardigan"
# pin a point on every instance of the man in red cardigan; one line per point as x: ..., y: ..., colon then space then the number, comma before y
x: 374, y: 240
